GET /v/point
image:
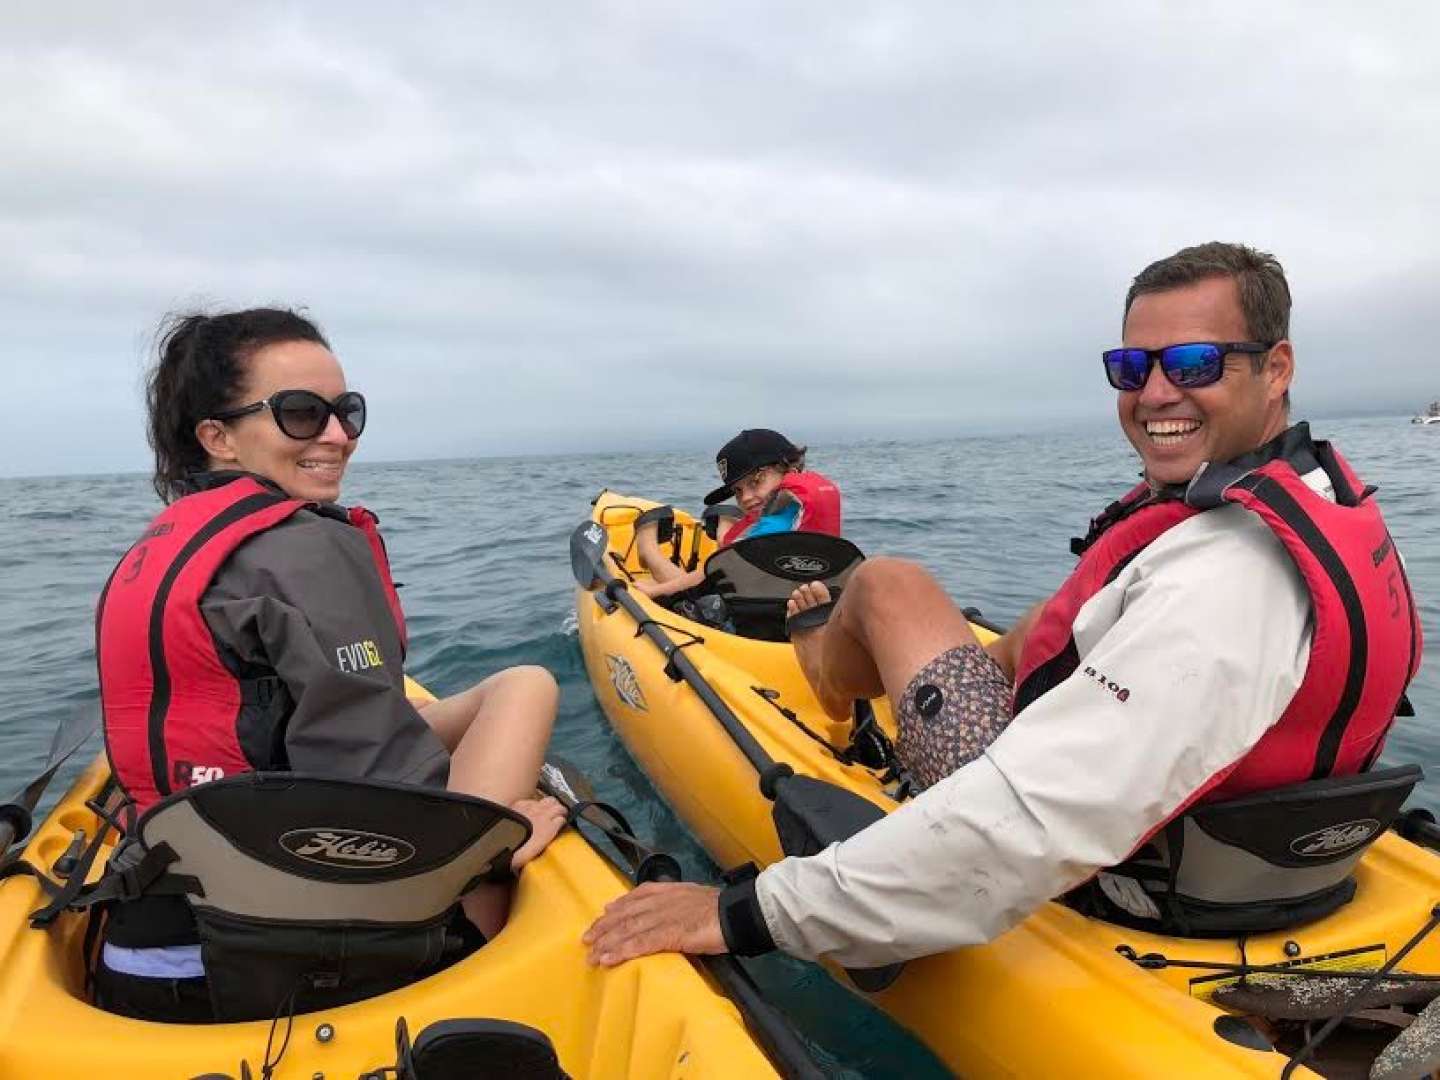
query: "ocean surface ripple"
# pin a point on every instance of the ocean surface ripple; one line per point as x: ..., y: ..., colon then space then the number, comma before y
x: 481, y: 549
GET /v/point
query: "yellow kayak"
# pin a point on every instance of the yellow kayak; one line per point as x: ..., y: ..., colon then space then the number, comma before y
x: 657, y: 1017
x: 1055, y: 995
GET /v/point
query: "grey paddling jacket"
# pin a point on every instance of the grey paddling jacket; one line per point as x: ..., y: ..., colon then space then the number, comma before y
x: 300, y: 607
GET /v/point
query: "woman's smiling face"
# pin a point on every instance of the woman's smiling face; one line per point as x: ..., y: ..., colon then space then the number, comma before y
x: 308, y: 469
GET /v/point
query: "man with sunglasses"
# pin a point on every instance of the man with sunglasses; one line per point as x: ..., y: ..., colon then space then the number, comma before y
x: 1238, y: 622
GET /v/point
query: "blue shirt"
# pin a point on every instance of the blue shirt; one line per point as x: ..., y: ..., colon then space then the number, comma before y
x: 781, y: 521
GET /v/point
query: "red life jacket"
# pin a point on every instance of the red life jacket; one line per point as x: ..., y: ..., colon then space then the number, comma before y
x: 819, y: 507
x: 1366, y: 641
x: 170, y: 703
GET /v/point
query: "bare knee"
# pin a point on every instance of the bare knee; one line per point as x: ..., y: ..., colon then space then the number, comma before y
x: 883, y: 587
x: 532, y: 680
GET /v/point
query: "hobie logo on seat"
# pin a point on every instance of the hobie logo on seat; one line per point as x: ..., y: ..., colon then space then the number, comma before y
x: 627, y: 686
x: 348, y: 848
x: 801, y: 564
x: 1335, y: 839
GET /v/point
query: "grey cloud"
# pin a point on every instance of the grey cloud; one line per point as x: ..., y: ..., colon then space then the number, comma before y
x: 558, y: 226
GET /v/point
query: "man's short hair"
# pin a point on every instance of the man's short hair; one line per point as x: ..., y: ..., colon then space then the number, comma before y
x: 1264, y: 294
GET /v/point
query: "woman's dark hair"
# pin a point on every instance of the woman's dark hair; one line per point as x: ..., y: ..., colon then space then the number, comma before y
x: 201, y: 371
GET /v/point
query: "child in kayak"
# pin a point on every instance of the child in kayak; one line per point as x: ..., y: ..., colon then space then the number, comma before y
x: 765, y: 473
x: 275, y: 636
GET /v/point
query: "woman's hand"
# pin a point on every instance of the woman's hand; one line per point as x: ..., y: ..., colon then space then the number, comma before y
x: 546, y: 817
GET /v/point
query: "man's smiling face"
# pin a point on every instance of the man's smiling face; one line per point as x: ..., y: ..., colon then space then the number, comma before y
x: 1176, y: 430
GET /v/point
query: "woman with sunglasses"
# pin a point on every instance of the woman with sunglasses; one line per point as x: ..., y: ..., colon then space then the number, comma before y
x: 255, y: 626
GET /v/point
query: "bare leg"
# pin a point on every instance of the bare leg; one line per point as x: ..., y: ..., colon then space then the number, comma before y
x: 651, y: 557
x: 496, y: 733
x: 1007, y: 647
x: 892, y: 619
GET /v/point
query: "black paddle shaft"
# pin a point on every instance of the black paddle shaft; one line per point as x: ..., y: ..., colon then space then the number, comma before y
x: 810, y: 814
x: 1419, y: 827
x: 587, y: 560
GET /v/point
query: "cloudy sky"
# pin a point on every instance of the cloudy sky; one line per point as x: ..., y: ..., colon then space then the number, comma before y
x: 565, y: 226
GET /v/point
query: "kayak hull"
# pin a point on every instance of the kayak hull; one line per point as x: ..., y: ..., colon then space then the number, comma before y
x: 1050, y: 996
x: 658, y: 1017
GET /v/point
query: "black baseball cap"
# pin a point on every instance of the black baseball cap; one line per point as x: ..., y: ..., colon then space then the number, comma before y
x: 752, y: 449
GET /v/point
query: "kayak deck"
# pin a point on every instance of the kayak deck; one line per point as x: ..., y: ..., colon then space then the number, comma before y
x: 1050, y: 993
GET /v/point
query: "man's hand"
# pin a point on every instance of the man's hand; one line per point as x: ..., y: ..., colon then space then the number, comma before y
x: 659, y: 917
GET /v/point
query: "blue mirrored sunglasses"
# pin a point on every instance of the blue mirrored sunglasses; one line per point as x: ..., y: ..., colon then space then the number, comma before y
x: 1196, y: 363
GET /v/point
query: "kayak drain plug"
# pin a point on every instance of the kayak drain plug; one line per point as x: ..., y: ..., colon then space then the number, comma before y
x: 324, y: 1033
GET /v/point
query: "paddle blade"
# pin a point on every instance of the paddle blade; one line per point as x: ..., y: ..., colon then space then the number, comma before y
x: 809, y: 816
x: 587, y: 553
x: 71, y: 734
x: 563, y: 780
x: 812, y: 814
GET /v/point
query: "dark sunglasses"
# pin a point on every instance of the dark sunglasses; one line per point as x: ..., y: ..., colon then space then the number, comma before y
x: 303, y: 414
x: 1187, y: 366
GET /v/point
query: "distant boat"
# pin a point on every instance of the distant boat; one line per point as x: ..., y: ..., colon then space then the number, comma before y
x: 1429, y: 416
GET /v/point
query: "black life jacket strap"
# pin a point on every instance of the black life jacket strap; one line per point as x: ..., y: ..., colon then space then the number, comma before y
x: 148, y: 877
x: 1115, y: 513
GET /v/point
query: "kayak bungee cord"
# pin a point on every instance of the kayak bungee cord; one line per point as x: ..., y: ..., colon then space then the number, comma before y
x: 1159, y: 961
x: 1313, y: 1043
x: 1367, y: 981
x: 869, y: 746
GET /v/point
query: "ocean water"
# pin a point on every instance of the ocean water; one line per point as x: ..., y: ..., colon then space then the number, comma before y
x: 481, y: 547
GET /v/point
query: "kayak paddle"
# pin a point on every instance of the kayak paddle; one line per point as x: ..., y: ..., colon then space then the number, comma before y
x: 809, y: 814
x: 16, y: 815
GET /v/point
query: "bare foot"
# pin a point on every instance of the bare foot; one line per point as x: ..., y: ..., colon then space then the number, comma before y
x: 547, y: 818
x: 808, y: 648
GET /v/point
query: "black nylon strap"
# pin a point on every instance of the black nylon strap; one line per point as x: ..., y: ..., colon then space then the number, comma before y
x: 148, y: 877
x: 75, y: 880
x: 742, y: 922
x: 20, y: 868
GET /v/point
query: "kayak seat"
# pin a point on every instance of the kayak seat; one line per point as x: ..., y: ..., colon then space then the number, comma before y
x: 1255, y: 864
x: 311, y: 891
x: 755, y: 577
